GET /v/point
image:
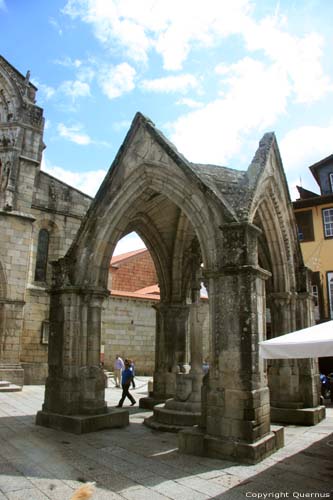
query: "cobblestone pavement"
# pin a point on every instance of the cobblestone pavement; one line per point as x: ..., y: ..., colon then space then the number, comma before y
x: 138, y: 463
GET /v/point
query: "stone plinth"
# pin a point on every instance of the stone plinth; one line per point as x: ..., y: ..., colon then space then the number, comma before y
x: 182, y: 411
x: 14, y: 373
x: 81, y: 424
x: 195, y: 442
x: 174, y: 416
x: 149, y: 402
x: 298, y: 416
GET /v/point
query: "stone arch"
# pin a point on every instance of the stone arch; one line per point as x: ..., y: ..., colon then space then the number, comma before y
x: 10, y: 98
x: 176, y: 205
x: 144, y: 182
x: 144, y: 226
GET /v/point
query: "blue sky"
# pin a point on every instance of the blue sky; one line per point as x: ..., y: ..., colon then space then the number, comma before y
x: 214, y: 76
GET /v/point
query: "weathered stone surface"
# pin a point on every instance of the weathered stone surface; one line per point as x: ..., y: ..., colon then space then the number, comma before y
x: 234, y: 231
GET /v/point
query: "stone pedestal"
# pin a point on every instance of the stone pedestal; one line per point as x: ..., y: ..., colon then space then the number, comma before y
x: 75, y: 386
x: 185, y: 409
x: 195, y: 442
x: 81, y: 424
x: 180, y: 412
x: 294, y: 383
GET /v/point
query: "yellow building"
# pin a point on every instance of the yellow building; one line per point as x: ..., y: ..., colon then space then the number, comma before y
x: 314, y: 217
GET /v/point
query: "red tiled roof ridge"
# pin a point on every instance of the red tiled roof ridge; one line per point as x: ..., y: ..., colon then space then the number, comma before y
x: 135, y: 295
x: 155, y: 289
x: 123, y: 256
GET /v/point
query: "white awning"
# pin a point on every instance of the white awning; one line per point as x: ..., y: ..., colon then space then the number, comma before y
x: 313, y: 342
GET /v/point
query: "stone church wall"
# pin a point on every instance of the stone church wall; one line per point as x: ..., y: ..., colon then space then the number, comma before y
x: 58, y: 208
x: 128, y: 329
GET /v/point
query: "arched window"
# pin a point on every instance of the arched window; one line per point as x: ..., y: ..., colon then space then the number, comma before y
x: 42, y: 254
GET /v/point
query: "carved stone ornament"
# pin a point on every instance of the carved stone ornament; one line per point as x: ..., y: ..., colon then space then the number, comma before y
x: 183, y: 388
x: 61, y: 273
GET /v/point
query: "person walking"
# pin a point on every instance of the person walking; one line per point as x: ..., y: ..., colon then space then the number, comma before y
x: 117, y: 369
x: 132, y: 367
x: 126, y: 379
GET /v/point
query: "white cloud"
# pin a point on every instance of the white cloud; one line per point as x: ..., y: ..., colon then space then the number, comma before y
x: 179, y: 83
x: 298, y: 57
x: 116, y: 80
x: 174, y: 28
x: 190, y: 103
x: 302, y: 147
x: 246, y: 105
x: 121, y: 125
x: 87, y: 182
x: 75, y: 89
x: 137, y: 27
x: 68, y: 62
x: 74, y: 134
x: 46, y: 90
x: 56, y: 25
x: 129, y: 243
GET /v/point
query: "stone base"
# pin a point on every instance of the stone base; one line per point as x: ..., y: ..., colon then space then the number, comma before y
x: 81, y: 424
x: 14, y: 373
x: 152, y: 423
x: 8, y: 387
x: 302, y: 416
x: 193, y: 441
x: 174, y: 416
x: 149, y: 402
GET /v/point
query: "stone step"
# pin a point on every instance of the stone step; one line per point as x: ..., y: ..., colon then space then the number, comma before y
x: 10, y: 388
x: 4, y: 383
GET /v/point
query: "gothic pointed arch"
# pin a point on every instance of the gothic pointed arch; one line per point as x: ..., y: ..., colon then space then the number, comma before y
x: 270, y: 209
x: 146, y: 177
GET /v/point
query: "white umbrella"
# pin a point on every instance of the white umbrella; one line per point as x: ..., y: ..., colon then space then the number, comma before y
x: 313, y: 342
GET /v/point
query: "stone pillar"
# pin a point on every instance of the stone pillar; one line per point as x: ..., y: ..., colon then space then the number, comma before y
x: 237, y: 407
x: 309, y: 382
x: 170, y: 351
x: 11, y: 320
x: 74, y: 391
x: 294, y: 383
x: 283, y: 375
x: 75, y: 384
x: 185, y: 408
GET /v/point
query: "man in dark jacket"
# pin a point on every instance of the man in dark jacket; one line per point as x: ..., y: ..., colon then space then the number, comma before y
x: 126, y: 379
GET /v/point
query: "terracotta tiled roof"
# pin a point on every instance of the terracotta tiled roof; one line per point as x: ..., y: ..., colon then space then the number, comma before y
x: 152, y: 289
x: 135, y: 295
x: 127, y: 255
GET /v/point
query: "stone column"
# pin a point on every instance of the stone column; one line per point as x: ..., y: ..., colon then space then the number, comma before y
x: 283, y: 373
x: 74, y: 391
x: 309, y: 382
x: 75, y: 384
x: 294, y: 383
x: 170, y: 350
x: 184, y: 409
x: 237, y: 399
x: 11, y: 321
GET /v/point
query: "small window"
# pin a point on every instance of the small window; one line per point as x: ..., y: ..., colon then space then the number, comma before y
x: 331, y: 181
x: 42, y: 255
x: 304, y: 225
x: 45, y: 332
x: 328, y: 222
x: 315, y: 294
